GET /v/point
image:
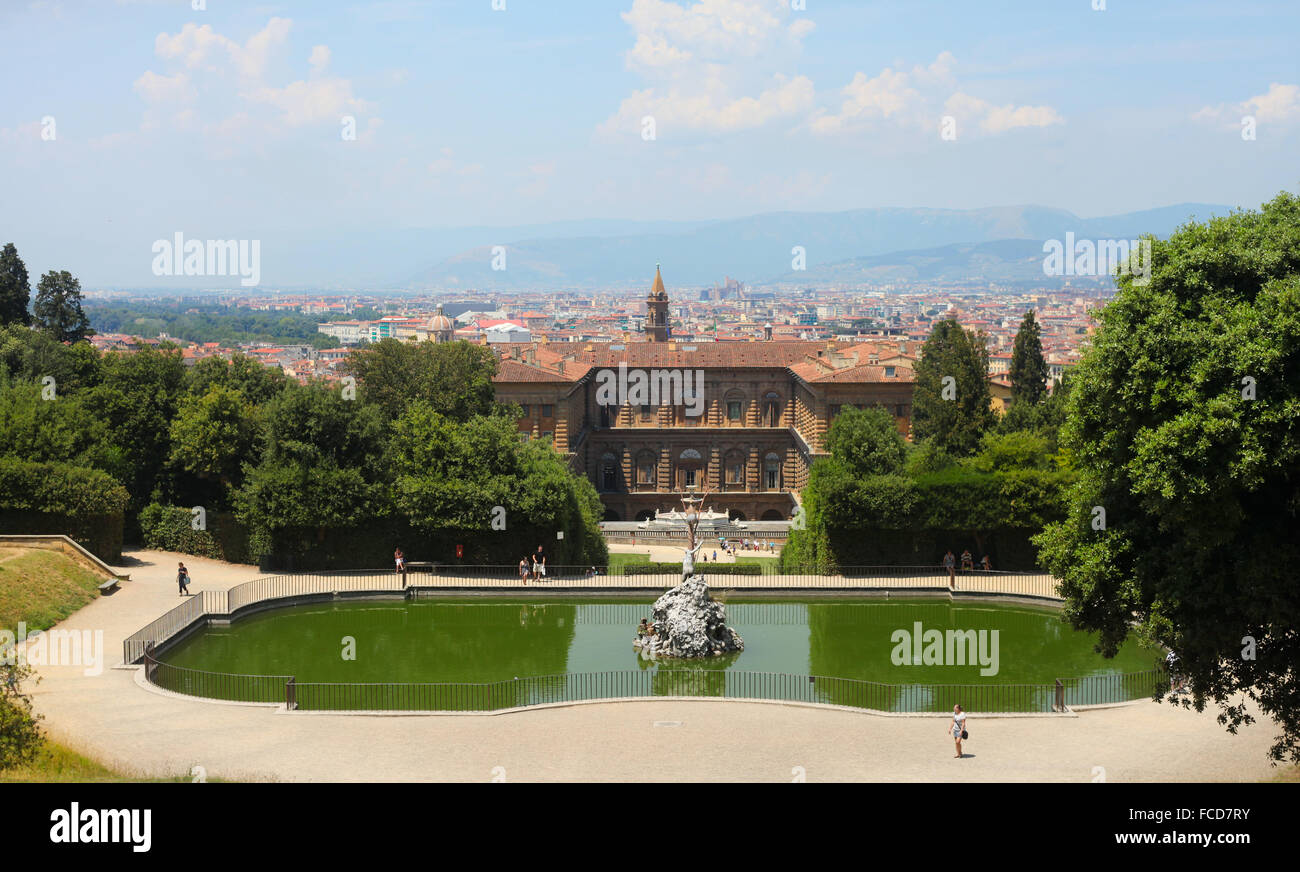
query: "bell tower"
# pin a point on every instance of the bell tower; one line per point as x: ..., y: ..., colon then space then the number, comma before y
x: 656, y: 318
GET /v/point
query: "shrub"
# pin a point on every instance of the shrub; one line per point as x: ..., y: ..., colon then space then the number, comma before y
x: 59, y: 498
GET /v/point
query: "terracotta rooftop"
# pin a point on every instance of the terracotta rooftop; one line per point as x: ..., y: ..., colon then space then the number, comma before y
x: 811, y: 361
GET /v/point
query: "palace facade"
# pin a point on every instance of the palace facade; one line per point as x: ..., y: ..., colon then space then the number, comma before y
x: 748, y: 433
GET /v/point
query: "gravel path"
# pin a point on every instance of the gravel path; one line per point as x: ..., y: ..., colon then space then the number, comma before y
x: 144, y: 731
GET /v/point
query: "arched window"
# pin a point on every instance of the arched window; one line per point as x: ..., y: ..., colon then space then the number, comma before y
x: 772, y: 471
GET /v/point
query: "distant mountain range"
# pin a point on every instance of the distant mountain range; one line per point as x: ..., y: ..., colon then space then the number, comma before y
x: 1000, y: 244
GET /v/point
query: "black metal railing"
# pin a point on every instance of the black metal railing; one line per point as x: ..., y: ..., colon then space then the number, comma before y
x: 663, y: 680
x: 723, y: 684
x: 214, y: 685
x: 209, y: 604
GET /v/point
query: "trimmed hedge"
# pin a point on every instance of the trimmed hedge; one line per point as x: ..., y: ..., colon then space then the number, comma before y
x: 897, y: 520
x: 52, y: 498
x: 703, y: 568
x: 170, y: 528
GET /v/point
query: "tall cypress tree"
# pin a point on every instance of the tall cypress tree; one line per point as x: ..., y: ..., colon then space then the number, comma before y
x: 952, y: 414
x: 1028, y: 366
x: 58, y: 307
x: 15, y: 288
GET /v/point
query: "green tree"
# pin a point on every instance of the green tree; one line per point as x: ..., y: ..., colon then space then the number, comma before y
x: 452, y: 476
x: 1007, y: 452
x: 64, y: 430
x: 322, y: 466
x: 867, y: 442
x: 954, y: 414
x: 454, y: 378
x: 30, y: 355
x: 212, y: 435
x: 20, y: 734
x: 137, y: 396
x: 1028, y: 366
x: 255, y: 381
x: 15, y: 288
x: 58, y: 307
x: 1182, y: 424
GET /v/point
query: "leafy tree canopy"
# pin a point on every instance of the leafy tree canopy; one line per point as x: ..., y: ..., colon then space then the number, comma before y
x: 867, y: 442
x: 951, y: 403
x: 453, y: 378
x: 1182, y: 423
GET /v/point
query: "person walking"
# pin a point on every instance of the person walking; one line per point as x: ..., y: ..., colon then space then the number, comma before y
x: 183, y: 579
x: 950, y: 564
x: 958, y: 727
x: 539, y: 563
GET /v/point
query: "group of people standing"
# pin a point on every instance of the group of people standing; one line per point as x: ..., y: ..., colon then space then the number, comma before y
x: 967, y: 564
x: 533, y: 566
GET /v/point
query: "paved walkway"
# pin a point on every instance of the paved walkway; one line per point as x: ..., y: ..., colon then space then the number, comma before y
x: 144, y: 731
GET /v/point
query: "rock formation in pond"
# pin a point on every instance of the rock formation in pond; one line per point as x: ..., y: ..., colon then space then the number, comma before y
x: 688, y: 623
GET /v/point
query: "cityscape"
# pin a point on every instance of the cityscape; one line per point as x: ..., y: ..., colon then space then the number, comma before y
x: 666, y: 392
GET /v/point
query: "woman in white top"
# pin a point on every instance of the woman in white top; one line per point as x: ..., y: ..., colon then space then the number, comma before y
x: 958, y: 726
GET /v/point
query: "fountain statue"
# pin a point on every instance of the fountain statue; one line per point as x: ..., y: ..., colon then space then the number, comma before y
x: 687, y: 621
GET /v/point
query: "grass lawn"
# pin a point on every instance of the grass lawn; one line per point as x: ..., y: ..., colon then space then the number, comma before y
x: 618, y: 559
x: 59, y: 765
x: 42, y: 587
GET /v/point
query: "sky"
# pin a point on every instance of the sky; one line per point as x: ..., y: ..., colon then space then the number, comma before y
x: 124, y: 122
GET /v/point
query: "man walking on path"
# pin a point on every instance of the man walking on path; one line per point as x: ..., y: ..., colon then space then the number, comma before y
x: 183, y: 579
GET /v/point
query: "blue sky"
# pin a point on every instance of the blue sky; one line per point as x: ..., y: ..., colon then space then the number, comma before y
x: 227, y: 121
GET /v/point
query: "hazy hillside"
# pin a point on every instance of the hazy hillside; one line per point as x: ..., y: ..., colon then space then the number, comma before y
x: 888, y: 243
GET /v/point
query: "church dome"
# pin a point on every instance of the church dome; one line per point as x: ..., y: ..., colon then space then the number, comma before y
x: 440, y: 323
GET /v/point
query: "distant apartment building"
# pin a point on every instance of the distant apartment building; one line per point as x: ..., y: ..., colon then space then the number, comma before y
x: 346, y: 332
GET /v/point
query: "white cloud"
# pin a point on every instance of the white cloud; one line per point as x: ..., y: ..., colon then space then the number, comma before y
x: 209, y: 58
x: 1279, y: 105
x: 164, y: 89
x: 200, y: 47
x: 714, y: 66
x: 916, y: 98
x: 309, y: 102
x: 999, y: 119
x: 319, y: 60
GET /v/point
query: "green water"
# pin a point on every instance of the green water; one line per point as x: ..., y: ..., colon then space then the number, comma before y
x: 489, y: 641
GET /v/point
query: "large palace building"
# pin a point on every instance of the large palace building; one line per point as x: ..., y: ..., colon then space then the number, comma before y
x: 748, y: 431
